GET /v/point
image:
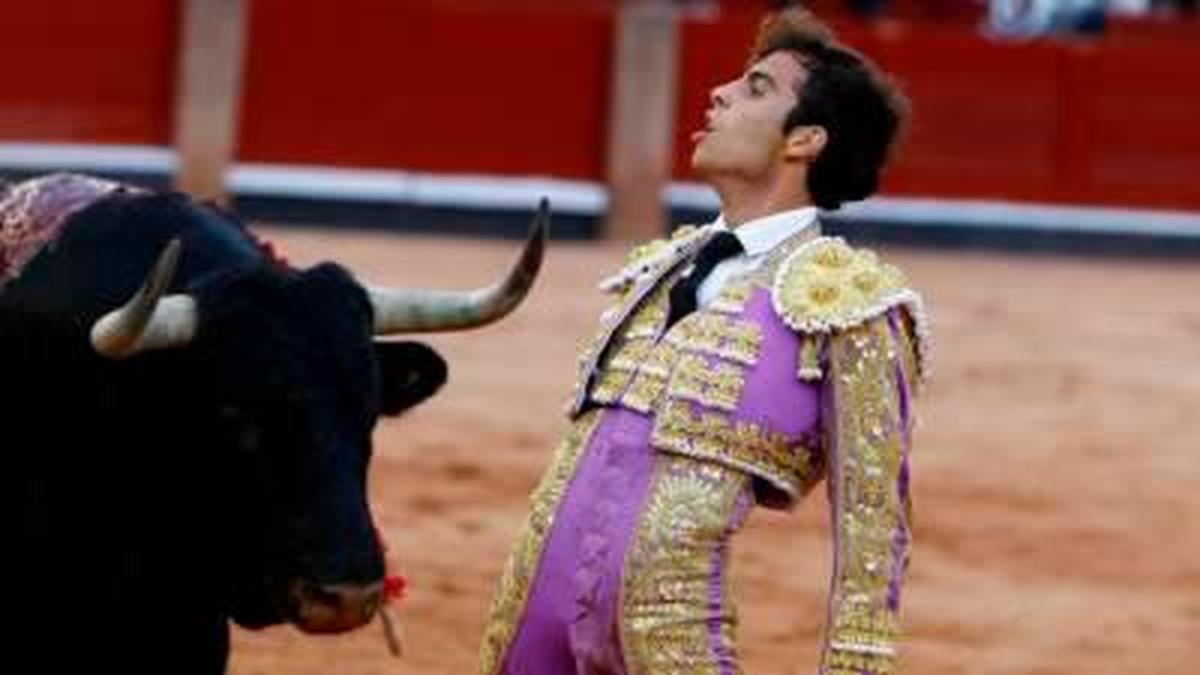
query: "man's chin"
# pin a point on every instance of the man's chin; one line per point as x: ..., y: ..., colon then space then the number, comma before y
x: 702, y: 165
x: 708, y: 159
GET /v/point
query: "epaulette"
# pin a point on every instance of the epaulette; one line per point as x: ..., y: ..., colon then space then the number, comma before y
x: 648, y: 257
x: 826, y: 286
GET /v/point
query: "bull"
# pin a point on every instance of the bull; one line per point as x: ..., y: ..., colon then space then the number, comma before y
x: 187, y: 426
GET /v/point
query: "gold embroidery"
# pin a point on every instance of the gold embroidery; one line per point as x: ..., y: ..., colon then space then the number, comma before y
x: 631, y: 354
x: 644, y: 392
x: 652, y: 257
x: 850, y: 663
x: 628, y: 350
x: 611, y: 385
x: 693, y: 507
x: 661, y: 360
x: 648, y: 320
x: 733, y: 339
x: 808, y: 361
x: 738, y: 444
x: 715, y: 385
x: 862, y: 629
x: 825, y: 286
x: 869, y: 511
x: 513, y: 592
x: 732, y: 299
x: 651, y: 378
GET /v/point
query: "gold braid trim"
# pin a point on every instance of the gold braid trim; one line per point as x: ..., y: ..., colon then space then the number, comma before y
x: 870, y: 511
x: 509, y: 602
x: 683, y: 430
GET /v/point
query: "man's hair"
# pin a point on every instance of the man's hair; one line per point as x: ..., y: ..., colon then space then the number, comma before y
x: 859, y: 107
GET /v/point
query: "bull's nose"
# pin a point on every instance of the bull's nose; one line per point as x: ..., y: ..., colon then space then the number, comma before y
x: 334, y: 608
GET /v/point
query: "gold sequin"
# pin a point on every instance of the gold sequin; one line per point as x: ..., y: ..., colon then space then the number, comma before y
x: 611, y: 385
x: 808, y: 361
x: 733, y: 339
x: 513, y: 591
x: 826, y: 285
x: 711, y: 384
x: 645, y: 391
x: 693, y: 507
x: 732, y: 299
x: 869, y: 507
x: 738, y: 444
x: 632, y: 355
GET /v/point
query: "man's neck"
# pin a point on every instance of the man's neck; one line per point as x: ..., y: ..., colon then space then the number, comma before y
x: 743, y: 202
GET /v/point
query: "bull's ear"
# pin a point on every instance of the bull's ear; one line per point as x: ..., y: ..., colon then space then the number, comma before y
x: 410, y: 372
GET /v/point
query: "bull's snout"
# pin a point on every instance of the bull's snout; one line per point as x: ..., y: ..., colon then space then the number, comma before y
x: 335, y: 608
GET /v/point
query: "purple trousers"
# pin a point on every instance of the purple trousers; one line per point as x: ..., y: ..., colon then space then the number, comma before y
x: 631, y: 574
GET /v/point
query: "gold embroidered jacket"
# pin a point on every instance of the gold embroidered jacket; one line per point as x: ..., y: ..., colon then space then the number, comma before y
x: 803, y: 369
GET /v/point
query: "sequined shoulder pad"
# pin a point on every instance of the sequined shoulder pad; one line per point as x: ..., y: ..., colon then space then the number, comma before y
x: 827, y: 286
x: 652, y: 255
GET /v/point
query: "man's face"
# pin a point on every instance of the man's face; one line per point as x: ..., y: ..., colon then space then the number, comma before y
x: 744, y: 131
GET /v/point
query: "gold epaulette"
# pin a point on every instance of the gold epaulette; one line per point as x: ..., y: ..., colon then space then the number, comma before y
x: 645, y: 258
x: 826, y: 287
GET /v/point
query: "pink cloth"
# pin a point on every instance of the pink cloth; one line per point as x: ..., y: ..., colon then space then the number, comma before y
x: 33, y: 212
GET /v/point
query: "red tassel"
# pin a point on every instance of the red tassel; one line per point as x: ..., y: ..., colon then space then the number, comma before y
x: 395, y: 586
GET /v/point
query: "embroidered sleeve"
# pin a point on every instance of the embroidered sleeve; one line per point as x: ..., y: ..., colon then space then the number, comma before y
x: 867, y: 438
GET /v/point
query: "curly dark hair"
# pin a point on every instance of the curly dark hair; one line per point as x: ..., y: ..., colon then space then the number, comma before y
x: 860, y: 108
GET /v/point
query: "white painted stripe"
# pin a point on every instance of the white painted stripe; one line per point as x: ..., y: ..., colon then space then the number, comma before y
x: 80, y: 157
x: 926, y: 212
x: 423, y: 189
x: 1020, y: 216
x: 575, y: 196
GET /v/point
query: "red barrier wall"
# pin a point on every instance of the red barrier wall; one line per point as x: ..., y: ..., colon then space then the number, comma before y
x: 481, y: 87
x: 87, y: 71
x: 1112, y: 122
x: 414, y: 86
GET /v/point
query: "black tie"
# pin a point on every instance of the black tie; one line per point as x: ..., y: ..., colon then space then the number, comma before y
x: 683, y: 295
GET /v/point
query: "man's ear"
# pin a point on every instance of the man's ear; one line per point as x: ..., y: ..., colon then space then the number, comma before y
x: 804, y: 143
x: 409, y: 373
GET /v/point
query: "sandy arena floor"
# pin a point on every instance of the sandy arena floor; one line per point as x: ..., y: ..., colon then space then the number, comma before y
x: 1057, y: 483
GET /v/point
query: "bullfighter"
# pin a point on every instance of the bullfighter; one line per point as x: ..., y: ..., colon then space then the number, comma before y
x: 741, y: 363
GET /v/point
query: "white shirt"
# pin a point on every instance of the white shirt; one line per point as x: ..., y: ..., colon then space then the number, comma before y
x: 759, y: 237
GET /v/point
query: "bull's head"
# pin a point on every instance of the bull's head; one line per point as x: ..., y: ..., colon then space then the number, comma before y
x: 296, y: 381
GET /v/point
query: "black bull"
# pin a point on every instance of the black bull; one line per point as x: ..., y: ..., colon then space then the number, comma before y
x: 196, y: 451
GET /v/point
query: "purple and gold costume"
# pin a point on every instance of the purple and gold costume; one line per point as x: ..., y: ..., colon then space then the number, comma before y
x: 800, y: 371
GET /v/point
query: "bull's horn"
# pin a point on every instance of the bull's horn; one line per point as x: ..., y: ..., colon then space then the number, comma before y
x: 148, y: 320
x: 413, y: 311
